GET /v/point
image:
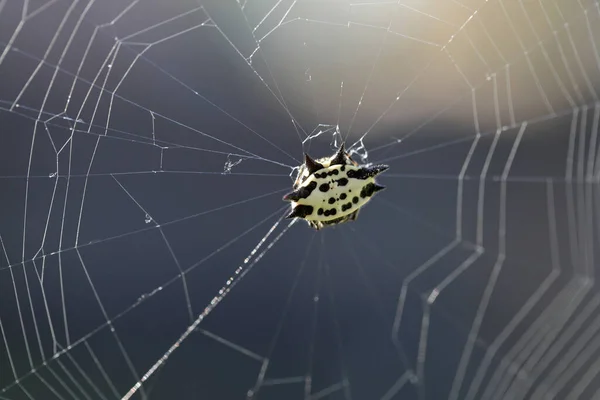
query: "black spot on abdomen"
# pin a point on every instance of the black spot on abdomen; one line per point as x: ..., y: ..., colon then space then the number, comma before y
x: 324, y: 187
x: 302, y: 211
x: 354, y: 174
x: 367, y: 190
x: 327, y: 213
x: 342, y: 181
x: 305, y: 191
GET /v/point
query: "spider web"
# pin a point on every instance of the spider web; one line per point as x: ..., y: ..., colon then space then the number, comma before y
x: 146, y: 147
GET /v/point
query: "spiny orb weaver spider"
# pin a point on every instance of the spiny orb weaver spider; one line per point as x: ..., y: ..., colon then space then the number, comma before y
x: 331, y: 190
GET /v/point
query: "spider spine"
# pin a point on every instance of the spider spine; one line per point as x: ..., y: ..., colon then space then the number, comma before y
x: 311, y: 165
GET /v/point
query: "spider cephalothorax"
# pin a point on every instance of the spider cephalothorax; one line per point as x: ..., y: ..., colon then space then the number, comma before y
x: 331, y: 190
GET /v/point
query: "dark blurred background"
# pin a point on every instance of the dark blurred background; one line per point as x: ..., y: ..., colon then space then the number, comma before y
x: 145, y: 147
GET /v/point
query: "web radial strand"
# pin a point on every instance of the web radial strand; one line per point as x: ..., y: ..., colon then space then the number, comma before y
x: 144, y: 146
x: 238, y: 275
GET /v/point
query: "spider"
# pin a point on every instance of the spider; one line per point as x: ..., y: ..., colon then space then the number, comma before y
x: 331, y: 190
